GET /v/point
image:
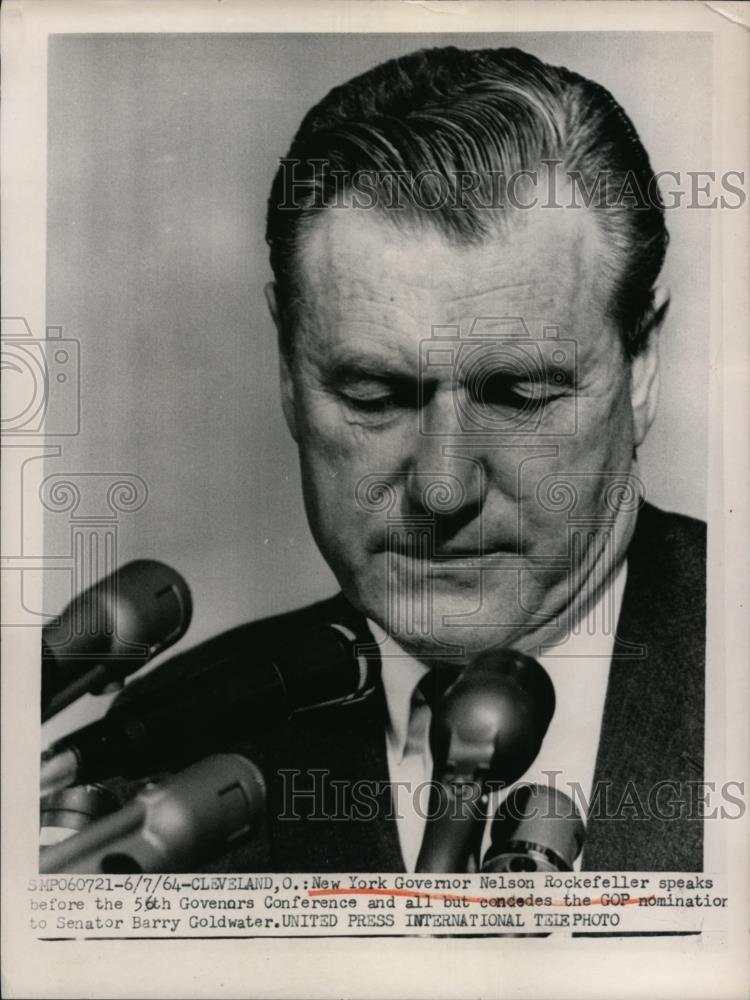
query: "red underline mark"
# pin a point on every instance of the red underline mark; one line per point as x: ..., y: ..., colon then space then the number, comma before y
x: 464, y: 899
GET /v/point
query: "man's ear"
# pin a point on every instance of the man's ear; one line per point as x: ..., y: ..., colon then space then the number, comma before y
x: 285, y: 372
x: 644, y: 369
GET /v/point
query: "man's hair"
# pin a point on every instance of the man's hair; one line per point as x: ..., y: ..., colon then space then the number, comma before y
x: 445, y: 114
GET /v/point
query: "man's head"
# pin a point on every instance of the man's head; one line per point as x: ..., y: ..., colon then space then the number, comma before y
x: 452, y: 362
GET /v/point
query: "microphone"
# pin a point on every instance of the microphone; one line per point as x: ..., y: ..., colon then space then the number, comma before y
x: 536, y: 829
x: 171, y: 826
x: 204, y: 700
x: 70, y: 810
x: 488, y: 728
x: 111, y: 630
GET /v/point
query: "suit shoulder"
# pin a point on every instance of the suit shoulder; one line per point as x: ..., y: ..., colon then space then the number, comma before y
x: 281, y: 626
x: 676, y: 538
x: 667, y: 577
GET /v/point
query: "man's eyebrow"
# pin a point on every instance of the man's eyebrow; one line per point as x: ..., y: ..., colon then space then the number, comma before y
x: 371, y: 367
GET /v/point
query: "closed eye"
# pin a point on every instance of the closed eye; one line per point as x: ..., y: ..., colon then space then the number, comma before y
x: 377, y: 395
x: 502, y: 390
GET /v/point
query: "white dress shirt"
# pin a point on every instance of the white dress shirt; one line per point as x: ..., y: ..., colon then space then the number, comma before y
x: 579, y: 670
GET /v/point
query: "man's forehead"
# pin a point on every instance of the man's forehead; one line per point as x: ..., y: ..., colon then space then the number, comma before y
x: 357, y: 266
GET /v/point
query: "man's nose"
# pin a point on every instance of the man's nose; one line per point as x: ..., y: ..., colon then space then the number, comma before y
x: 446, y: 475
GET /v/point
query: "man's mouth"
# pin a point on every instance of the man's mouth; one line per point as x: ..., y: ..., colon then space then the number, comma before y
x: 454, y: 554
x: 423, y: 544
x: 452, y: 551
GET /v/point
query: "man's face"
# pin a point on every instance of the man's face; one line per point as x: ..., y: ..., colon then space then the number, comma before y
x: 459, y: 481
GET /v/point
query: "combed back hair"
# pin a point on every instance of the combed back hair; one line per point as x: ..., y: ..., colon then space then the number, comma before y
x: 445, y: 114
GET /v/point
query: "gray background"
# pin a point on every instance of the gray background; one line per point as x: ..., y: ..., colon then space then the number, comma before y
x: 161, y: 153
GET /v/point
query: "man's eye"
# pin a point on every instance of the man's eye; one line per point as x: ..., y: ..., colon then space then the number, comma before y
x: 499, y: 390
x: 377, y: 397
x: 370, y: 402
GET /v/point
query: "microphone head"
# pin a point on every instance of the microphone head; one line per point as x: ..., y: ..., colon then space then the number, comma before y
x: 152, y: 607
x: 536, y: 828
x: 118, y: 624
x: 171, y: 826
x: 493, y: 719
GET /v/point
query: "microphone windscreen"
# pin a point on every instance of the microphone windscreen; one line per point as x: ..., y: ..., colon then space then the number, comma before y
x: 494, y: 718
x: 117, y: 625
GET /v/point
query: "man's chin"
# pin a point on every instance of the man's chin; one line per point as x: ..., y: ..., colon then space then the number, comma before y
x: 451, y: 625
x: 453, y: 645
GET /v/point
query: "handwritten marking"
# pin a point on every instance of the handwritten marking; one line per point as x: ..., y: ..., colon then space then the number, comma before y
x: 465, y: 899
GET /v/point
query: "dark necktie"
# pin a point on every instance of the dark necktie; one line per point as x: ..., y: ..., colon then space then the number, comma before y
x: 424, y: 702
x: 434, y: 684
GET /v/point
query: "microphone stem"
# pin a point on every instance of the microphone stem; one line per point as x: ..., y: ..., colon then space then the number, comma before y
x: 82, y: 685
x: 453, y: 831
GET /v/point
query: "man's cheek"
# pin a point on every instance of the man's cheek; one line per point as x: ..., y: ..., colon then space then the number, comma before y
x: 335, y: 439
x: 611, y: 411
x: 334, y: 478
x: 554, y: 491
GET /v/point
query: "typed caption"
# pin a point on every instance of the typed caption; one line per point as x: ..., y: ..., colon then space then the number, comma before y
x: 178, y: 906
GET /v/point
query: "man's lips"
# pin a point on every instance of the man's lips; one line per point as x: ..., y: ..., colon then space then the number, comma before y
x: 453, y: 553
x: 422, y: 542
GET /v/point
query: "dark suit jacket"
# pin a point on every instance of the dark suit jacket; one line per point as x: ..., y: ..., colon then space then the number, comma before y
x: 652, y: 733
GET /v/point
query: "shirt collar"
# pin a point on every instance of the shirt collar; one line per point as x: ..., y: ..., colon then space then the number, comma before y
x: 401, y: 674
